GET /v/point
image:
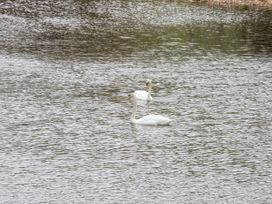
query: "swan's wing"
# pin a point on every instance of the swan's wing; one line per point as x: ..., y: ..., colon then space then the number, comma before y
x: 146, y: 120
x: 161, y: 120
x: 140, y: 94
x: 153, y: 120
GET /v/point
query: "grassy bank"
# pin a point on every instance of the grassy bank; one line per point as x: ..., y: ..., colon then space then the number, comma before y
x: 243, y: 3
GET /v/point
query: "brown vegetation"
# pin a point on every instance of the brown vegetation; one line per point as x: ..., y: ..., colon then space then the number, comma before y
x: 250, y: 3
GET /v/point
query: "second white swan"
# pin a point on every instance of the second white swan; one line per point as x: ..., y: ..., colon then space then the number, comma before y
x: 144, y: 95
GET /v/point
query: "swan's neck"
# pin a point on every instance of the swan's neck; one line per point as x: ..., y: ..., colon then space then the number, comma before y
x: 132, y: 117
x: 149, y: 92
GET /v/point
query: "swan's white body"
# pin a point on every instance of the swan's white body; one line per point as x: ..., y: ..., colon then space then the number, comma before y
x: 144, y: 95
x: 149, y: 119
x: 152, y: 120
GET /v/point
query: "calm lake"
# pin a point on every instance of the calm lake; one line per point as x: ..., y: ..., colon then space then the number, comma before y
x: 66, y: 69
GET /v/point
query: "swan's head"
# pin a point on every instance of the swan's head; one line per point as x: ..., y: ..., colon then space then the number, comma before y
x: 130, y: 96
x: 148, y: 82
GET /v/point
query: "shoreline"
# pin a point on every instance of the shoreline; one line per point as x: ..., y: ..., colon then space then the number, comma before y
x: 255, y: 4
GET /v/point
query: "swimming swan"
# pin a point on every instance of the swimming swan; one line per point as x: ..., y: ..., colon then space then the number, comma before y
x: 149, y: 119
x: 144, y: 95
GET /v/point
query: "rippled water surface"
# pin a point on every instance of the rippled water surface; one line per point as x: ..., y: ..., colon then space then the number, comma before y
x: 66, y: 69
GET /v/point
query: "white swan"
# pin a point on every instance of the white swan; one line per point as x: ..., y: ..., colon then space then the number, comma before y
x: 144, y: 95
x: 149, y: 119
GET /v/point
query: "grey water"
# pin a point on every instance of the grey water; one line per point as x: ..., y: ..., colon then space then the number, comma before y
x: 66, y: 69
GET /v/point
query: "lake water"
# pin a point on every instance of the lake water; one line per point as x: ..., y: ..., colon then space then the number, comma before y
x: 66, y: 69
